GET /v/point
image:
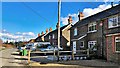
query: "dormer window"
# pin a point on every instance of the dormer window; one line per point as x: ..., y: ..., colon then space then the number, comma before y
x: 92, y: 27
x: 75, y: 31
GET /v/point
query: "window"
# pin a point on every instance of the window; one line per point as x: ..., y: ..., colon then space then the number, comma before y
x: 92, y: 27
x: 114, y: 21
x: 119, y: 19
x: 75, y: 31
x: 117, y: 44
x: 53, y: 43
x: 49, y: 36
x: 53, y: 36
x: 82, y: 44
x: 92, y: 45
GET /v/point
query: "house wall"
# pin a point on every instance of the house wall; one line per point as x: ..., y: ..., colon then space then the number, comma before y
x: 64, y: 38
x: 111, y: 54
x: 109, y: 42
x: 92, y: 36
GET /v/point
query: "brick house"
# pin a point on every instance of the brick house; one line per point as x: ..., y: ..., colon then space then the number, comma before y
x: 99, y: 32
x: 52, y: 36
x: 40, y: 38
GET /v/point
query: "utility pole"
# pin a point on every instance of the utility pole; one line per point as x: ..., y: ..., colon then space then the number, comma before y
x: 59, y: 7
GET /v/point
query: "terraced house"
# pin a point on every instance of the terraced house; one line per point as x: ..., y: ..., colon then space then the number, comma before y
x: 100, y: 33
x: 52, y: 36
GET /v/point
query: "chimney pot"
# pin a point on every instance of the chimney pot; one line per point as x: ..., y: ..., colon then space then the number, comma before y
x: 70, y: 20
x: 81, y: 15
x: 46, y: 30
x: 50, y: 29
x: 38, y: 34
x: 42, y: 33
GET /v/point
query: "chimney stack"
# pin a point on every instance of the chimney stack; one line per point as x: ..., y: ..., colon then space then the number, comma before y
x: 112, y: 4
x: 70, y: 20
x: 42, y: 32
x: 57, y: 26
x: 81, y: 15
x: 50, y: 29
x: 38, y: 34
x: 46, y: 30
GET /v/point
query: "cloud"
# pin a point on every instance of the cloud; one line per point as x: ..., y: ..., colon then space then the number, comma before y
x: 87, y: 12
x: 26, y: 33
x: 64, y: 20
x: 25, y: 36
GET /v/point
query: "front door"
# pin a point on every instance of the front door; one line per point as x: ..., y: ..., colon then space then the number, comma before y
x: 74, y: 47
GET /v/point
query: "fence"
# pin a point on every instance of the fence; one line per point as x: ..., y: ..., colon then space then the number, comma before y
x: 60, y: 54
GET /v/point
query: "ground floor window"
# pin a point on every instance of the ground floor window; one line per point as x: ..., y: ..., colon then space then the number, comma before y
x: 117, y: 44
x: 81, y: 44
x: 92, y: 45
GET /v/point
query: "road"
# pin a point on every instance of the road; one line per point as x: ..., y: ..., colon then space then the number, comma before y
x: 6, y: 59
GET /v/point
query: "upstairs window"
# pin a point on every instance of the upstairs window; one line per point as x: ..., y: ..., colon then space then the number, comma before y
x: 75, y: 31
x: 49, y: 36
x: 114, y: 21
x: 53, y: 36
x: 117, y: 44
x: 92, y: 27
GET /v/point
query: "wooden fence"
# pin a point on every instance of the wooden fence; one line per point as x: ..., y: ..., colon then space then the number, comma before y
x: 59, y: 53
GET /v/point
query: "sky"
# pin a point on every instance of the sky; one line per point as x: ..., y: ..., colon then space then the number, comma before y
x: 24, y: 20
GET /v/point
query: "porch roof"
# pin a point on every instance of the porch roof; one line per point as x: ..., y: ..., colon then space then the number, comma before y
x: 79, y: 38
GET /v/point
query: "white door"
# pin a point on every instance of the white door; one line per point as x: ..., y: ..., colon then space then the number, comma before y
x: 74, y: 47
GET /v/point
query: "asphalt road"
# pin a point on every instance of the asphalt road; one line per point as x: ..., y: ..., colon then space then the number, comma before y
x: 7, y: 59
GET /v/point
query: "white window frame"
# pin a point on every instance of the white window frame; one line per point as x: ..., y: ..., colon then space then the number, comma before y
x: 83, y: 44
x: 115, y: 43
x: 92, y: 42
x: 53, y: 36
x: 111, y: 21
x: 90, y: 25
x: 75, y: 31
x: 53, y: 43
x: 49, y: 36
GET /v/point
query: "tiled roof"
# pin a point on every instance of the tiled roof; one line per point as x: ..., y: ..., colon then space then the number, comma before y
x: 100, y: 15
x: 61, y: 28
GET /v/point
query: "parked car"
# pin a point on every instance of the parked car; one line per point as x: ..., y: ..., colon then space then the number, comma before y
x: 21, y: 47
x: 48, y: 48
x: 31, y: 47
